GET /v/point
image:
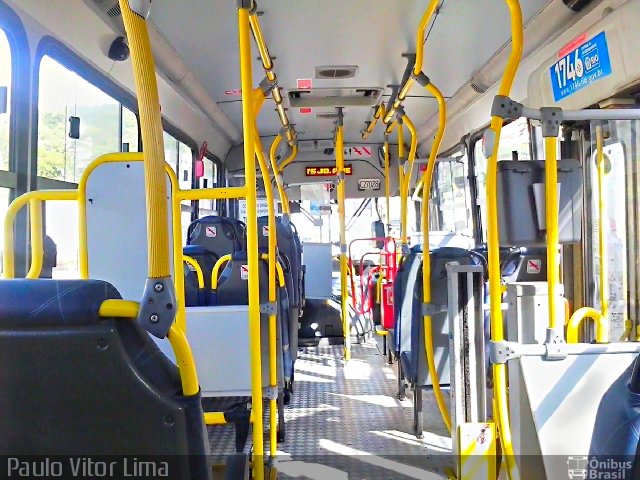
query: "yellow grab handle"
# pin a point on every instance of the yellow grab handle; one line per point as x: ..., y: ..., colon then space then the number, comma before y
x: 576, y: 320
x: 216, y: 270
x: 196, y: 268
x: 427, y: 180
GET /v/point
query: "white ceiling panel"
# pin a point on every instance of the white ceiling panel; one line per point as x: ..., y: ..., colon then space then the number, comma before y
x: 371, y: 34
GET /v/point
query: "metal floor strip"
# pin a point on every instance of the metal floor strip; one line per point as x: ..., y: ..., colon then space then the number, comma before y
x: 345, y: 422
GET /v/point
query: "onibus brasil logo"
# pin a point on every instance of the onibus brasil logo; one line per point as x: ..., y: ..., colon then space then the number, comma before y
x: 596, y: 468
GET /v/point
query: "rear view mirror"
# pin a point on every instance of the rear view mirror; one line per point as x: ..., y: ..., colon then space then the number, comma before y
x: 74, y: 127
x: 4, y: 95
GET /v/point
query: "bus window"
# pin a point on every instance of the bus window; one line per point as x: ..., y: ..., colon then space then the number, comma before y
x: 65, y: 94
x: 62, y: 227
x: 515, y: 141
x: 171, y: 151
x: 129, y: 130
x: 621, y: 222
x: 185, y: 166
x: 5, y: 85
x: 208, y: 180
x: 453, y: 197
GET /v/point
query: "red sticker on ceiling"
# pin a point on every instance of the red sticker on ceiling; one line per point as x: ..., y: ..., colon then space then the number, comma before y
x: 233, y: 92
x: 304, y: 84
x: 305, y: 110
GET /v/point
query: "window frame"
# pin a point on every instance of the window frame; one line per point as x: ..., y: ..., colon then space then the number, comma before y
x: 57, y: 51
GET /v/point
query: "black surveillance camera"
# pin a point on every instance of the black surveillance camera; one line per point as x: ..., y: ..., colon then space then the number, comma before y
x: 119, y: 50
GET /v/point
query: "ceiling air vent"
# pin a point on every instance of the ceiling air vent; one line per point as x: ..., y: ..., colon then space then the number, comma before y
x: 114, y: 12
x: 109, y: 11
x: 336, y: 72
x: 334, y: 97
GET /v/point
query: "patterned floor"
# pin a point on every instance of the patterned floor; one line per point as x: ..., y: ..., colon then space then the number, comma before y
x: 344, y: 422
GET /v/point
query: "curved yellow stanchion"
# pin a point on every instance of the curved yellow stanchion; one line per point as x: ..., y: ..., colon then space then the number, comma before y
x: 152, y: 137
x: 184, y: 360
x: 379, y: 112
x: 272, y: 261
x: 196, y: 268
x: 215, y: 272
x: 284, y: 201
x: 427, y: 178
x: 576, y: 320
x: 493, y: 241
x: 406, y: 180
x: 404, y: 89
x: 289, y: 159
x: 182, y: 350
x: 8, y: 260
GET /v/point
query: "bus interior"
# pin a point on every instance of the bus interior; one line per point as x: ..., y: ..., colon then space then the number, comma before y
x: 297, y: 239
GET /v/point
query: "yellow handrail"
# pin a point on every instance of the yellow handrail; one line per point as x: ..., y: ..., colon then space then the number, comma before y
x: 255, y: 342
x: 343, y: 239
x: 493, y: 240
x: 196, y: 268
x: 152, y: 137
x: 267, y: 65
x: 417, y: 68
x: 427, y: 178
x: 216, y: 270
x: 284, y: 201
x: 576, y: 320
x: 379, y: 112
x: 8, y: 260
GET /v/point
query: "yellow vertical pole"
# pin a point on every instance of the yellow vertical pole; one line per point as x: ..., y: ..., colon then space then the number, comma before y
x: 248, y: 123
x: 493, y: 241
x: 551, y: 192
x: 151, y: 129
x: 602, y: 233
x: 387, y: 182
x: 271, y: 256
x: 343, y: 238
x: 36, y: 234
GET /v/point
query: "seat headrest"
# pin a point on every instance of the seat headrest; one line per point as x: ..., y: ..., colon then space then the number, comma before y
x: 46, y: 302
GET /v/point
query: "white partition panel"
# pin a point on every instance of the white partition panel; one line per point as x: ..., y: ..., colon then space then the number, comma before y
x: 117, y: 226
